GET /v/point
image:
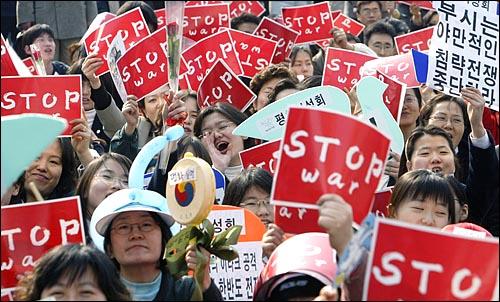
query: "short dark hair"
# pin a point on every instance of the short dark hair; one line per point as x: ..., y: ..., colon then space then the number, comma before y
x: 379, y: 27
x: 166, y: 234
x: 228, y: 111
x: 73, y: 260
x: 35, y: 31
x: 76, y: 68
x: 146, y: 9
x: 419, y: 185
x: 244, y: 18
x: 312, y: 81
x: 283, y: 84
x: 361, y: 3
x: 298, y: 48
x: 420, y: 131
x: 198, y: 148
x: 244, y: 181
x: 275, y: 71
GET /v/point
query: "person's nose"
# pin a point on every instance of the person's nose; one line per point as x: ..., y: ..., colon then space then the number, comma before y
x: 427, y: 218
x: 448, y: 125
x: 135, y: 232
x: 435, y: 158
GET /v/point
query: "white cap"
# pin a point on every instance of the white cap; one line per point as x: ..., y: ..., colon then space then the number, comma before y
x: 127, y: 200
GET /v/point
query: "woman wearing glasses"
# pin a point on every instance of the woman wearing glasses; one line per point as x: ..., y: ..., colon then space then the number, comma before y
x: 214, y: 126
x: 136, y: 226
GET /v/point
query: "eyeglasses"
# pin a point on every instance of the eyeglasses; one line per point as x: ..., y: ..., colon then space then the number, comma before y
x: 254, y: 204
x: 221, y: 128
x: 108, y: 178
x: 126, y: 228
x: 442, y: 119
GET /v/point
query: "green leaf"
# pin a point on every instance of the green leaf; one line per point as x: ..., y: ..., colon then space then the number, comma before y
x: 209, y: 227
x: 226, y: 253
x: 233, y: 235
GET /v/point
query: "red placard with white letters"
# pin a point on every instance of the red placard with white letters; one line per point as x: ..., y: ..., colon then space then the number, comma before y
x: 346, y: 158
x: 131, y: 26
x: 144, y: 67
x: 252, y: 7
x: 284, y: 36
x: 7, y: 66
x: 160, y: 15
x: 200, y: 57
x: 195, y: 3
x: 263, y: 156
x: 31, y: 65
x: 294, y: 220
x: 393, y: 95
x: 421, y: 4
x: 399, y: 67
x: 419, y: 40
x: 417, y: 263
x: 381, y: 201
x: 313, y: 22
x: 27, y: 236
x: 205, y: 20
x: 349, y: 25
x: 222, y: 85
x: 59, y: 96
x: 342, y: 67
x: 255, y: 53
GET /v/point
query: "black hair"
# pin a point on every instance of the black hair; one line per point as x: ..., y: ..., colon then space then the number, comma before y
x: 244, y: 181
x: 76, y: 68
x: 275, y: 71
x: 309, y: 82
x: 34, y: 32
x: 228, y: 111
x: 166, y: 234
x: 198, y: 148
x: 361, y: 3
x: 244, y: 18
x: 146, y: 9
x: 283, y: 84
x: 73, y: 261
x: 419, y: 132
x: 297, y: 49
x: 379, y: 27
x: 400, y: 27
x: 419, y: 185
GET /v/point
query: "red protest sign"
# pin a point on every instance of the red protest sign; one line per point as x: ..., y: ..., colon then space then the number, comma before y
x: 205, y: 20
x: 349, y: 25
x: 194, y: 3
x: 252, y: 7
x: 324, y: 43
x: 27, y: 236
x: 346, y: 158
x: 263, y: 156
x: 160, y: 15
x: 419, y: 40
x: 297, y: 220
x: 53, y: 95
x: 222, y: 85
x: 399, y: 67
x: 421, y: 4
x: 200, y: 57
x: 131, y: 26
x: 411, y: 262
x: 284, y: 36
x: 342, y: 67
x: 8, y: 68
x: 393, y: 95
x: 144, y: 67
x: 312, y: 22
x: 31, y: 65
x: 381, y: 201
x: 255, y: 53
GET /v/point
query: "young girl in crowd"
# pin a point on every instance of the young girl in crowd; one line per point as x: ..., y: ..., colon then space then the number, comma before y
x: 301, y: 62
x: 214, y: 127
x: 136, y: 228
x: 73, y: 272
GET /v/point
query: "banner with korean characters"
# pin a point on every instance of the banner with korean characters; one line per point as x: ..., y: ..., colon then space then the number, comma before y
x: 236, y: 279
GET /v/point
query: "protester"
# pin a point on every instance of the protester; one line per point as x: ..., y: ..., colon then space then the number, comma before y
x: 245, y: 22
x: 139, y: 253
x: 251, y: 190
x: 43, y: 37
x: 73, y: 272
x: 283, y: 89
x: 368, y: 12
x: 102, y: 177
x: 14, y: 192
x: 263, y: 83
x: 214, y: 127
x: 53, y: 172
x: 301, y: 62
x: 379, y: 36
x: 191, y: 103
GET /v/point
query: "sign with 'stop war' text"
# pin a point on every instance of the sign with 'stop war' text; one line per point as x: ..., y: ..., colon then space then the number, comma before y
x: 313, y: 22
x: 346, y: 158
x: 263, y: 156
x: 53, y: 95
x: 255, y: 8
x: 27, y: 237
x: 284, y: 36
x: 205, y: 20
x: 416, y: 263
x: 419, y: 40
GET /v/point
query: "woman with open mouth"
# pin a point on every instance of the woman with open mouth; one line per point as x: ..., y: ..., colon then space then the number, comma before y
x: 214, y: 126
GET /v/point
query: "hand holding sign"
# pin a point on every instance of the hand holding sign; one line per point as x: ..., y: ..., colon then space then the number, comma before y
x: 335, y: 216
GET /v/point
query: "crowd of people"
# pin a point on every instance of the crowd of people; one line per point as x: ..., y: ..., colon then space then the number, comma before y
x: 446, y: 174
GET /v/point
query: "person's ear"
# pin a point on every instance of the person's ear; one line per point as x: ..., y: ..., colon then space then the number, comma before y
x: 464, y: 212
x: 27, y: 50
x: 408, y: 165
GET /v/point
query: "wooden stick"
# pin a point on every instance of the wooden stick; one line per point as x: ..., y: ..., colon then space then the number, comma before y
x: 35, y: 191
